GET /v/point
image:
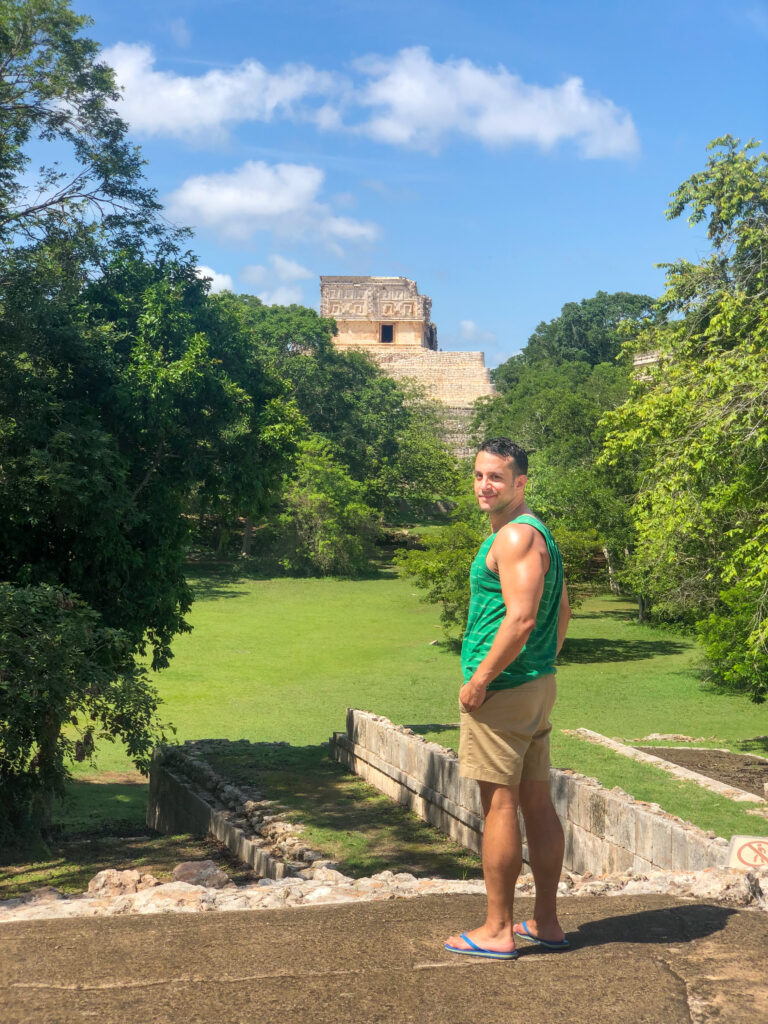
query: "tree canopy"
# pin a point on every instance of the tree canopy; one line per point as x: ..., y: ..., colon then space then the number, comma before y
x: 694, y: 430
x: 56, y: 95
x: 589, y: 331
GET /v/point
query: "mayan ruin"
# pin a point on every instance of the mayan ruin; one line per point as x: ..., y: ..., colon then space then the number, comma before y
x: 391, y: 321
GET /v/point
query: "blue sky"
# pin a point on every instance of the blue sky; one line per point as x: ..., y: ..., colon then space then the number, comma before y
x: 510, y: 157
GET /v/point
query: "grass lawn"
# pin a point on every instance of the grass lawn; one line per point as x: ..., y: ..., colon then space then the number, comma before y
x: 281, y: 659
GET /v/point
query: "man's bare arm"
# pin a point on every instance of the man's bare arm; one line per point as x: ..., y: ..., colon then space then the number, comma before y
x: 563, y: 618
x: 522, y: 583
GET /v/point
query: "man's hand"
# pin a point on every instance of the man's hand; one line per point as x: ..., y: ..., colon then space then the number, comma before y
x: 472, y: 695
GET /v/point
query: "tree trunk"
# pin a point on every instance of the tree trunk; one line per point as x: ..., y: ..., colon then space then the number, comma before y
x: 643, y: 608
x: 612, y: 583
x: 245, y: 550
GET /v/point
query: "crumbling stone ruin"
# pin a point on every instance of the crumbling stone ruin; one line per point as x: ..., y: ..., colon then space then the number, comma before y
x: 388, y: 318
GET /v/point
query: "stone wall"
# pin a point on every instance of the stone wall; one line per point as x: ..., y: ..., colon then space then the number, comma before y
x: 456, y: 379
x: 606, y: 831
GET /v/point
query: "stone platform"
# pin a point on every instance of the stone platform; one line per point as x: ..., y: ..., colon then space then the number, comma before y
x: 637, y: 960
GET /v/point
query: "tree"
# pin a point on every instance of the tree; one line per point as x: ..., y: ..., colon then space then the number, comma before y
x: 60, y: 664
x: 54, y: 89
x: 124, y: 391
x: 387, y: 435
x: 588, y: 331
x: 325, y: 526
x: 695, y: 427
x: 441, y: 567
x: 554, y: 412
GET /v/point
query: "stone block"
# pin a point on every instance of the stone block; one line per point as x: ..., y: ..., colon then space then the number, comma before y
x: 403, y: 743
x: 643, y: 835
x: 356, y: 731
x: 592, y: 810
x: 679, y: 849
x: 588, y: 851
x: 469, y: 796
x: 641, y: 864
x: 616, y: 859
x: 661, y: 842
x: 619, y: 822
x: 560, y: 793
x: 418, y: 759
x: 570, y: 845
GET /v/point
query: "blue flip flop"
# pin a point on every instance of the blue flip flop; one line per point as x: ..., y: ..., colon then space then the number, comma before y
x: 525, y: 934
x: 490, y: 954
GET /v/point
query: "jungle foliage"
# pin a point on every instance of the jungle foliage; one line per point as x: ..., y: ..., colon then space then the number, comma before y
x: 694, y: 429
x: 134, y: 406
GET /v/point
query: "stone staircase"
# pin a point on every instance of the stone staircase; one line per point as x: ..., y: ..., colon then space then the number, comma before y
x: 456, y: 379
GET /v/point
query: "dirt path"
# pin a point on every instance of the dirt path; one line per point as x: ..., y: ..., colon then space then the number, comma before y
x: 741, y: 770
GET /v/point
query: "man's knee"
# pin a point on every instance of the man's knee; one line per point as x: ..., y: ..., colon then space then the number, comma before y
x: 498, y: 798
x: 534, y: 796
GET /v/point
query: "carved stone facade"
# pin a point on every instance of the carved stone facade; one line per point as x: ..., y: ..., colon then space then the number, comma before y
x: 378, y: 311
x: 388, y: 318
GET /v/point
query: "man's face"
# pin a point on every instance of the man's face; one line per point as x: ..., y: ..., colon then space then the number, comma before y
x: 496, y: 485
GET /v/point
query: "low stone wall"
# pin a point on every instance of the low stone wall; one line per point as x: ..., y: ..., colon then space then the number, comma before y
x: 186, y: 795
x: 606, y: 831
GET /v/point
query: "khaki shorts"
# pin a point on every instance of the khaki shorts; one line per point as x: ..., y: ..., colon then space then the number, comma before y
x: 506, y: 739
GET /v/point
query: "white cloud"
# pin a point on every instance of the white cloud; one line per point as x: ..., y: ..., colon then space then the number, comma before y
x: 180, y: 32
x: 419, y: 102
x: 289, y: 270
x: 758, y: 18
x: 261, y: 197
x: 254, y: 275
x: 284, y: 295
x: 184, y: 106
x: 469, y: 331
x: 408, y: 99
x: 277, y: 283
x: 219, y: 282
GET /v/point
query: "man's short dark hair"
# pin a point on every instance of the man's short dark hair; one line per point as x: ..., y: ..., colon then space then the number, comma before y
x: 506, y: 449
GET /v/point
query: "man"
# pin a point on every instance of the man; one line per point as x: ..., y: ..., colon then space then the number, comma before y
x: 518, y: 617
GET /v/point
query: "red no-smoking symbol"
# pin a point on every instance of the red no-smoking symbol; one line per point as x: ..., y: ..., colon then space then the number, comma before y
x: 754, y: 853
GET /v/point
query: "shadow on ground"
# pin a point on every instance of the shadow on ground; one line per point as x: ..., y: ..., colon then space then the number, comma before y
x: 670, y: 924
x: 432, y: 727
x: 347, y: 820
x: 212, y: 581
x: 592, y: 650
x: 756, y: 745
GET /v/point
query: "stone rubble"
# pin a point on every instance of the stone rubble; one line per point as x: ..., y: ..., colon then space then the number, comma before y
x: 201, y: 872
x: 260, y: 820
x: 143, y: 894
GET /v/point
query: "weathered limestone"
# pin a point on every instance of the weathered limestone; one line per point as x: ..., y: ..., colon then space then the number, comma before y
x: 606, y: 832
x: 732, y: 888
x: 455, y: 379
x: 186, y: 795
x: 378, y: 310
x: 388, y: 319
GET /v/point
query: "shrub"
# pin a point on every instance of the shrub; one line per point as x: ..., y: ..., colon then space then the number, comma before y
x: 738, y: 660
x: 326, y: 525
x: 65, y: 679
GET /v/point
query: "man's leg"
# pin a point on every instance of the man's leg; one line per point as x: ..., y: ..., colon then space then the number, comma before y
x: 502, y: 860
x: 544, y: 836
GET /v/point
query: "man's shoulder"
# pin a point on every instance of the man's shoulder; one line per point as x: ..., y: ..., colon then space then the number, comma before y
x: 516, y: 538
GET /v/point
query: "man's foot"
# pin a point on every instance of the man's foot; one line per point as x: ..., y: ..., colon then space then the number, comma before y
x: 552, y: 938
x: 487, y: 943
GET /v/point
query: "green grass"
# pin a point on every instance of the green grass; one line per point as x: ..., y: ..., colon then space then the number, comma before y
x: 281, y: 659
x: 344, y: 818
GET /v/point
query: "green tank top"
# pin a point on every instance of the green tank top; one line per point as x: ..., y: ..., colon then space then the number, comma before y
x: 487, y: 609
